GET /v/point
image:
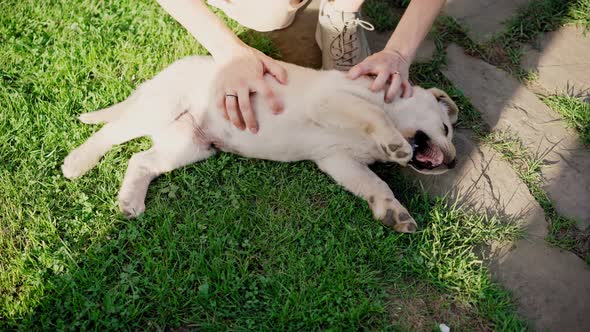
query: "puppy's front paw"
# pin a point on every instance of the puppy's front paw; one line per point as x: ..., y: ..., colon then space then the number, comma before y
x: 77, y: 163
x: 393, y: 214
x: 399, y: 152
x: 394, y: 146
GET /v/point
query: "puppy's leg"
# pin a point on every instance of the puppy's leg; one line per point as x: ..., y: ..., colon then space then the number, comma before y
x: 353, y: 112
x: 174, y: 147
x: 135, y: 117
x: 87, y: 155
x: 361, y: 181
x: 108, y: 114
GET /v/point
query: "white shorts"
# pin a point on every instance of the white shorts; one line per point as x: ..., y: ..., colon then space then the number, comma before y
x: 260, y: 15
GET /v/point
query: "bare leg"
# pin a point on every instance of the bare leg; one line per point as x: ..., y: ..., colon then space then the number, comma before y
x: 348, y: 6
x: 361, y: 181
x: 174, y: 147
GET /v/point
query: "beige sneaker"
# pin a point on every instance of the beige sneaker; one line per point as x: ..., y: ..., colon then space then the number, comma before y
x: 341, y: 37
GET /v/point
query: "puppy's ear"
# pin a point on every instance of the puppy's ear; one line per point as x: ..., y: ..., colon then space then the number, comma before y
x: 446, y: 103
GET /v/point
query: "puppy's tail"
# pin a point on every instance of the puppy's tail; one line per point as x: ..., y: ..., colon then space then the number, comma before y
x: 104, y: 115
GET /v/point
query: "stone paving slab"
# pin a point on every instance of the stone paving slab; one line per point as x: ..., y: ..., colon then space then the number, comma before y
x: 562, y: 60
x: 506, y: 104
x: 483, y: 18
x: 551, y: 286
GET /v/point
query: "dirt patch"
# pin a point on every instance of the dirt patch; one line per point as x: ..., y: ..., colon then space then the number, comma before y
x: 425, y: 308
x: 497, y: 55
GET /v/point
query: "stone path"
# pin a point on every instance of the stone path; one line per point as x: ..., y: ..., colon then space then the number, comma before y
x: 506, y: 104
x: 562, y: 61
x: 550, y: 285
x: 483, y: 18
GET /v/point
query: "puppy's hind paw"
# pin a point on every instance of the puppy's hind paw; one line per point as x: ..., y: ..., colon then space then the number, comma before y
x: 400, y: 221
x: 392, y: 214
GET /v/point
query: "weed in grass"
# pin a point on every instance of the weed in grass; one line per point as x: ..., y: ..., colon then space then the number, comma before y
x: 575, y: 112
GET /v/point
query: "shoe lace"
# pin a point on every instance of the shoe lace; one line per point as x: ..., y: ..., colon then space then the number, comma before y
x: 342, y: 47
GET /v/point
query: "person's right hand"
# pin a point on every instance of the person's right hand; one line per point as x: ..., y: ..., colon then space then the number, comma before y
x: 242, y: 74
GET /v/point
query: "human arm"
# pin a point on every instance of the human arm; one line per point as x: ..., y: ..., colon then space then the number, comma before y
x: 245, y: 66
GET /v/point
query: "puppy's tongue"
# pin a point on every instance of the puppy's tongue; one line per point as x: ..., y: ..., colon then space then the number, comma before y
x: 432, y: 154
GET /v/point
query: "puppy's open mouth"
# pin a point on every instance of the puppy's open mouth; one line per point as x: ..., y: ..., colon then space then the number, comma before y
x: 427, y: 155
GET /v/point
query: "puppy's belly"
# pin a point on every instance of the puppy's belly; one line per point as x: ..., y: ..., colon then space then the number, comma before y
x: 294, y: 144
x: 269, y: 149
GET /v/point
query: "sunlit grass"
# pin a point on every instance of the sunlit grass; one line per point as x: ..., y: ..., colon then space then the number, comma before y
x: 228, y: 243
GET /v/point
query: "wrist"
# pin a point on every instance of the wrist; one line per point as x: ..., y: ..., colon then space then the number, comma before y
x: 395, y: 53
x: 228, y: 53
x: 406, y: 54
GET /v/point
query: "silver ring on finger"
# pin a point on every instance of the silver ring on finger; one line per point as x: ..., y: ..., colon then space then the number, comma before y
x: 396, y: 73
x: 231, y: 95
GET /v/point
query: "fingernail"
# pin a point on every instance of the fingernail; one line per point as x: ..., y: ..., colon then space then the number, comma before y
x: 253, y: 130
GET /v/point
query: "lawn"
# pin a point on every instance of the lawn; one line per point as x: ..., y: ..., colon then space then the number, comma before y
x: 226, y: 244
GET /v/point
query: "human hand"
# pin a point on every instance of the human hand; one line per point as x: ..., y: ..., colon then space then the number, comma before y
x: 243, y: 73
x: 387, y: 65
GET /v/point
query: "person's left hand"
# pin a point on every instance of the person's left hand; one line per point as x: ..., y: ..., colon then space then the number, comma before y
x: 386, y: 65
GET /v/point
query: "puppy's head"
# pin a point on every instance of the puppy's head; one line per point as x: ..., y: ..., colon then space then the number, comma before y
x: 426, y: 120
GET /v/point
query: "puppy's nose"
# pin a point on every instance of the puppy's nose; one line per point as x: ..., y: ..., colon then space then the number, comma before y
x: 451, y: 164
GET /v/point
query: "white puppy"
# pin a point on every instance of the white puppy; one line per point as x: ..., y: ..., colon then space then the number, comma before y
x: 336, y: 122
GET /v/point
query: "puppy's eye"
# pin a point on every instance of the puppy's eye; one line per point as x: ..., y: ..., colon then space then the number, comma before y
x: 446, y: 129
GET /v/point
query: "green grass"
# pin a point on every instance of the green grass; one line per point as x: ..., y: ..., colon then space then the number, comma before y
x: 575, y: 112
x: 228, y: 243
x: 382, y: 14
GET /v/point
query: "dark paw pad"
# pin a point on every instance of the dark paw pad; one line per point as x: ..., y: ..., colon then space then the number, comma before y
x: 394, y: 147
x: 388, y: 220
x: 403, y: 216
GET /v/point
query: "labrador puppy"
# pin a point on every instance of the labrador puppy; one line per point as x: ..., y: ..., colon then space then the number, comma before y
x: 338, y: 123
